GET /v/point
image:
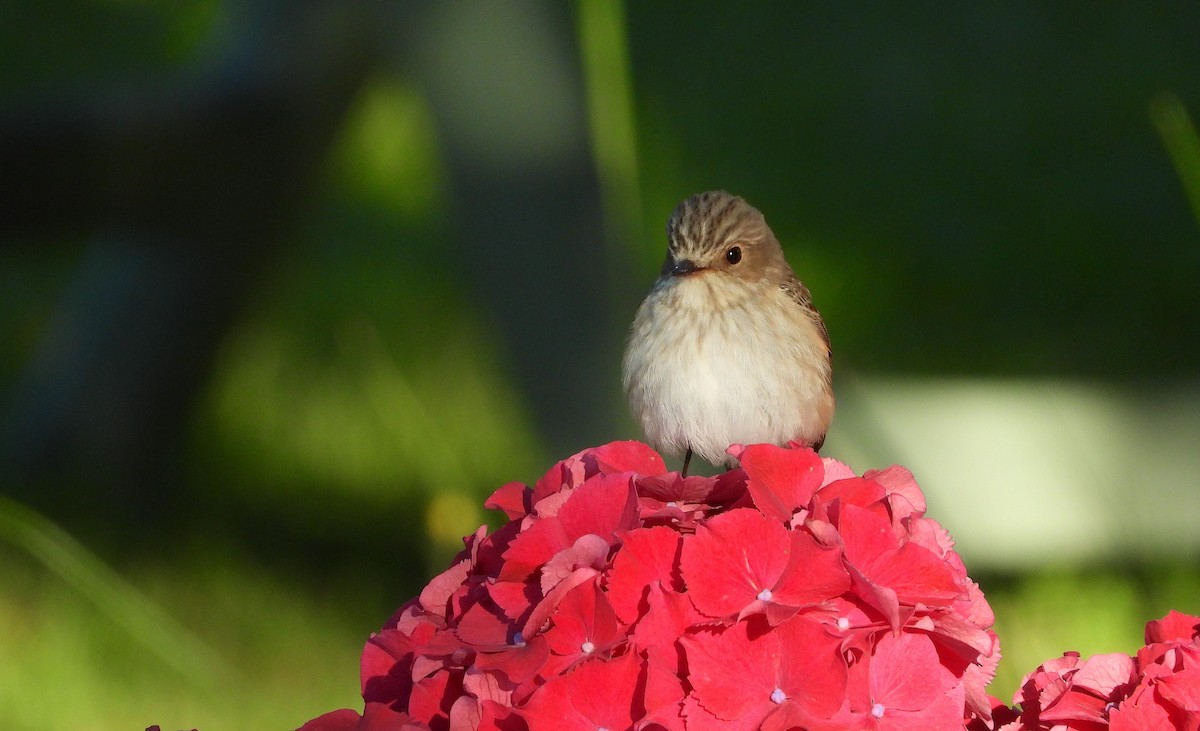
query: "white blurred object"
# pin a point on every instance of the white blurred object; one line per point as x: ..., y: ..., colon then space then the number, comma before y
x: 1030, y: 473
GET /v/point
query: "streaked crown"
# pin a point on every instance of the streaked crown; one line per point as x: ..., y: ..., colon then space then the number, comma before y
x: 705, y: 224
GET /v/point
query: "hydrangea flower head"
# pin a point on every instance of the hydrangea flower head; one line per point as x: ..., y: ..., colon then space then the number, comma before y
x: 788, y: 592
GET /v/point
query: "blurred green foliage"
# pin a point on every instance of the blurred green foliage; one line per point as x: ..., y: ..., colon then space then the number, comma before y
x: 974, y: 190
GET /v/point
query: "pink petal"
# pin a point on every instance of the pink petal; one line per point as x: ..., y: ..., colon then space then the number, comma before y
x: 588, y: 551
x: 835, y: 470
x: 1105, y: 674
x: 436, y: 595
x: 898, y: 481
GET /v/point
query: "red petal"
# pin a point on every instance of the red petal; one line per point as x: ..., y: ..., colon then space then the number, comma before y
x: 732, y: 675
x: 564, y: 475
x: 617, y: 681
x: 432, y: 698
x: 700, y: 719
x: 1146, y: 715
x: 906, y: 673
x: 647, y: 555
x: 533, y: 547
x: 1074, y: 708
x: 813, y: 674
x: 814, y: 573
x: 485, y: 627
x: 722, y: 489
x: 584, y: 615
x: 946, y: 712
x: 515, y: 598
x: 781, y: 480
x: 380, y: 717
x: 513, y: 498
x: 495, y: 717
x: 540, y: 615
x: 731, y: 559
x: 1175, y: 627
x: 667, y: 616
x: 595, y: 694
x: 616, y: 457
x: 914, y: 573
x: 385, y: 667
x: 518, y: 662
x: 602, y: 505
x: 343, y: 720
x: 1183, y: 690
x: 854, y: 491
x: 664, y: 693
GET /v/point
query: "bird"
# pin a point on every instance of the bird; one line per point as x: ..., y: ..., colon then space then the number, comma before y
x: 727, y: 348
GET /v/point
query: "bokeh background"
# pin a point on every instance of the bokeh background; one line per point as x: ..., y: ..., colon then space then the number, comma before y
x: 287, y: 287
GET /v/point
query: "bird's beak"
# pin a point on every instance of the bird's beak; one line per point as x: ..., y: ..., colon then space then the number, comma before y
x: 682, y: 267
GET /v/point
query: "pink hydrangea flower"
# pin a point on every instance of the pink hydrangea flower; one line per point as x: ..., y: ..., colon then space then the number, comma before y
x: 789, y: 592
x: 1156, y: 690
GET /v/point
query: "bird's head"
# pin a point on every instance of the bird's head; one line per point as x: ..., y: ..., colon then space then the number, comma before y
x: 719, y: 233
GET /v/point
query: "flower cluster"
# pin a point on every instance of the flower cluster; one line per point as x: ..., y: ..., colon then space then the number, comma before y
x: 786, y: 593
x: 1157, y: 689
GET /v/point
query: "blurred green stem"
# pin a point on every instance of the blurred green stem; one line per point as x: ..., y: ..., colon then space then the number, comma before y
x: 605, y: 56
x: 1179, y: 137
x: 110, y: 593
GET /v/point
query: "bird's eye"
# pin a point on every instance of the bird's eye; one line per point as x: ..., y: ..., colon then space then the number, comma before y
x: 734, y: 255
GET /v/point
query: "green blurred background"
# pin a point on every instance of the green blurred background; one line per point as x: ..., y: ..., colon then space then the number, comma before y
x: 286, y: 288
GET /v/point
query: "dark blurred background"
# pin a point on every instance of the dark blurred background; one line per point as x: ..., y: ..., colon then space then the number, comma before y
x: 287, y: 288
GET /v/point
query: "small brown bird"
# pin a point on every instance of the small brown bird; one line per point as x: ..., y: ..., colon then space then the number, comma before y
x: 727, y: 348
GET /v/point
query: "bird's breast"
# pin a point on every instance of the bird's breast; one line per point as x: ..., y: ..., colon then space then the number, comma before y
x: 709, y: 365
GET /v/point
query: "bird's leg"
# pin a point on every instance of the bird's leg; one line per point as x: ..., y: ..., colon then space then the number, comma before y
x: 687, y: 459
